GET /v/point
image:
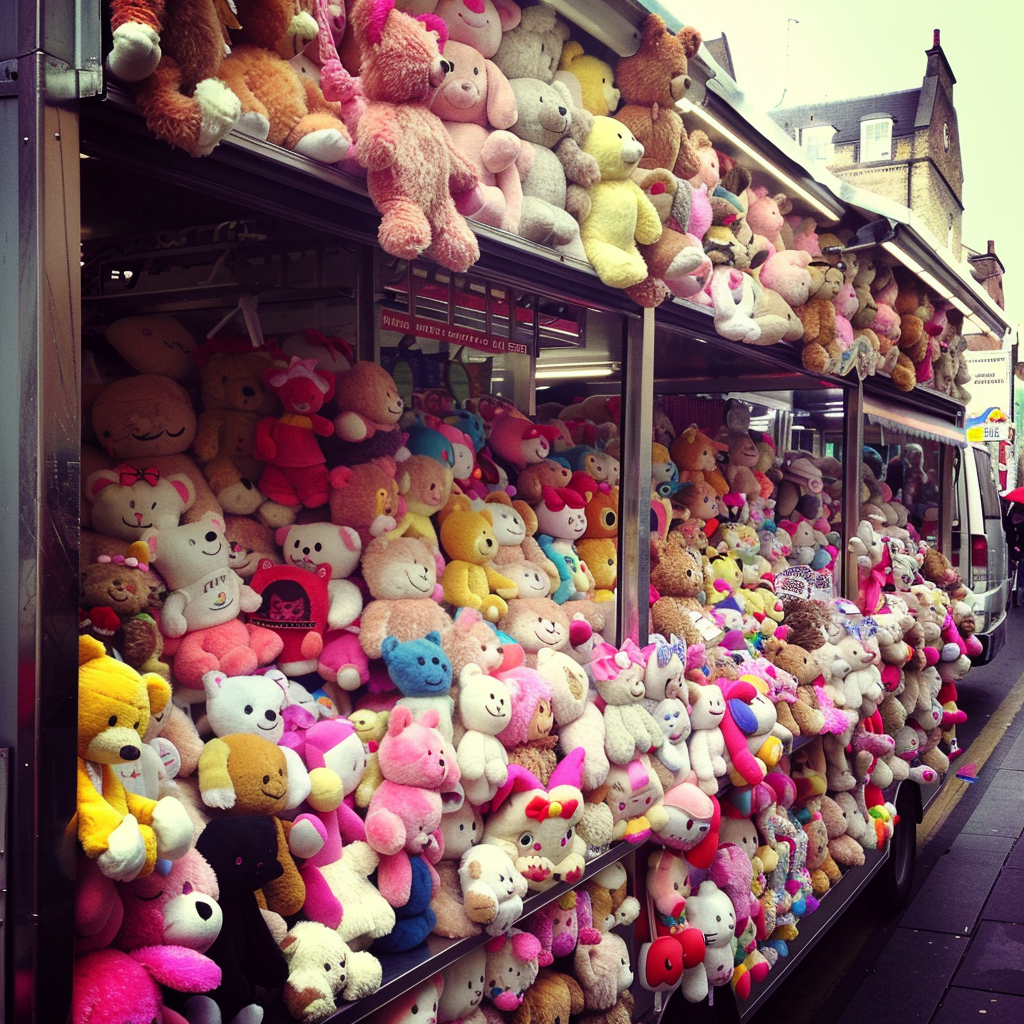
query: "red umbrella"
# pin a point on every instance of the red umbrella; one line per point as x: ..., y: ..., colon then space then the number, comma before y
x: 1017, y: 494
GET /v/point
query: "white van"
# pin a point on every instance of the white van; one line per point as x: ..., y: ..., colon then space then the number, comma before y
x: 979, y: 545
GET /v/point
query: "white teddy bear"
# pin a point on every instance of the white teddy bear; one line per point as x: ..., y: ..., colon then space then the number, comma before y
x: 485, y: 708
x: 492, y: 888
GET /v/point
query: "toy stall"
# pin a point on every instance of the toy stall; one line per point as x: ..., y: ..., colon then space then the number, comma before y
x: 493, y: 502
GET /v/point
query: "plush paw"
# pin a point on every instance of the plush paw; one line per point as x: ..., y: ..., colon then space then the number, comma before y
x: 221, y: 111
x: 327, y: 145
x: 223, y: 799
x: 125, y: 854
x: 135, y: 53
x: 172, y: 827
x: 534, y: 869
x: 305, y: 840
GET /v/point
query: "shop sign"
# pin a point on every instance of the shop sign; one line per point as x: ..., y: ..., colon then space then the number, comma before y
x: 420, y: 327
x: 990, y: 408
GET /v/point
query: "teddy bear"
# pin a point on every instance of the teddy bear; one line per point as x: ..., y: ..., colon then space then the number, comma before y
x: 341, y: 662
x: 618, y: 676
x: 485, y: 710
x: 368, y: 409
x: 473, y: 640
x: 511, y: 967
x: 201, y: 610
x: 170, y: 55
x: 470, y: 580
x: 412, y: 167
x: 403, y: 821
x: 294, y: 466
x: 365, y: 497
x: 322, y: 967
x: 249, y: 543
x: 536, y: 825
x: 514, y: 524
x: 492, y: 889
x: 122, y: 832
x: 108, y: 984
x: 678, y: 577
x: 552, y: 996
x: 590, y: 79
x: 234, y: 398
x: 126, y: 501
x: 620, y: 214
x: 141, y: 423
x: 461, y: 829
x: 279, y: 104
x: 242, y: 851
x: 117, y: 596
x: 538, y: 623
x: 401, y: 576
x: 604, y: 971
x: 651, y: 82
x: 476, y: 107
x: 252, y: 704
x: 555, y: 171
x: 244, y: 774
x: 425, y: 485
x: 422, y: 674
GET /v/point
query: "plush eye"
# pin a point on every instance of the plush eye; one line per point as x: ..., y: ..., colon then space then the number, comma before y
x: 266, y: 779
x: 526, y: 839
x: 247, y: 709
x: 112, y: 721
x: 421, y: 661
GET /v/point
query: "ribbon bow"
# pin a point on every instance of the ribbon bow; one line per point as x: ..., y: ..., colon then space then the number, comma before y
x: 128, y: 475
x: 541, y: 808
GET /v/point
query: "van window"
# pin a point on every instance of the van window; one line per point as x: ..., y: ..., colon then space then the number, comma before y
x: 989, y: 495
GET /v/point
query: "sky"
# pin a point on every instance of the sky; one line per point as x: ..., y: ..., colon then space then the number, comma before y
x: 815, y: 51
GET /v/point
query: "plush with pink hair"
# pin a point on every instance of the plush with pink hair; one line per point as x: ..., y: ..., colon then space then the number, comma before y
x: 512, y: 966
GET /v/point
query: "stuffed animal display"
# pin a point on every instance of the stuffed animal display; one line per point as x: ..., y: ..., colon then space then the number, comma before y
x: 351, y: 674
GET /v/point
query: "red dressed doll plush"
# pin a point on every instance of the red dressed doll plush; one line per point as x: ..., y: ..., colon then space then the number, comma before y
x: 296, y: 470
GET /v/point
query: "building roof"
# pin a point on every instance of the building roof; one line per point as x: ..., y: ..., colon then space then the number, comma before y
x: 846, y: 115
x: 719, y: 49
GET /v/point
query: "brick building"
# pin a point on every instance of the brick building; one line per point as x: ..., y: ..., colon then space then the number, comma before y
x: 902, y: 145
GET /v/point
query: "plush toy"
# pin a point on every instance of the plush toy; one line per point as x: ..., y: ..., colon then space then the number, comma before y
x: 472, y: 640
x: 561, y: 521
x: 124, y: 833
x: 234, y: 398
x: 321, y: 967
x: 464, y: 990
x: 536, y: 623
x: 590, y: 79
x: 552, y: 996
x: 117, y: 595
x: 279, y: 103
x: 514, y: 524
x: 243, y: 852
x: 403, y: 821
x: 170, y: 55
x: 126, y: 502
x: 512, y: 967
x: 154, y: 343
x: 422, y: 673
x: 142, y: 423
x: 294, y: 471
x: 618, y: 676
x: 461, y: 830
x: 555, y: 171
x: 413, y: 169
x: 603, y: 970
x: 365, y: 498
x: 401, y: 576
x: 476, y: 106
x: 528, y: 736
x: 678, y: 577
x: 710, y: 910
x: 204, y: 602
x: 249, y: 542
x: 651, y: 82
x: 492, y: 889
x: 485, y: 710
x: 231, y: 773
x: 425, y: 485
x: 620, y: 214
x: 369, y: 408
x: 469, y: 579
x: 108, y: 985
x: 251, y: 704
x: 536, y: 826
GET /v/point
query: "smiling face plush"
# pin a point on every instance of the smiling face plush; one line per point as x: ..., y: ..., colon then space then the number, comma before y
x: 128, y: 501
x: 535, y: 624
x: 144, y: 416
x: 418, y: 667
x: 311, y: 544
x: 250, y: 704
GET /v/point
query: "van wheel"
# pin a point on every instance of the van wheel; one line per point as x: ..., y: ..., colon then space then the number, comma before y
x: 896, y: 879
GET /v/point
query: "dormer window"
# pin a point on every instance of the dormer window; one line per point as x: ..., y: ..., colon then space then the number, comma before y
x: 875, y: 138
x: 816, y: 141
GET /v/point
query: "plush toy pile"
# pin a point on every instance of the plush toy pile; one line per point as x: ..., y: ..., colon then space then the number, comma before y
x: 400, y: 706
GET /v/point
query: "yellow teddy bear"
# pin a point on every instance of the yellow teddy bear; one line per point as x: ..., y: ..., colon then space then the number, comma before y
x: 620, y: 213
x: 123, y: 832
x: 469, y: 579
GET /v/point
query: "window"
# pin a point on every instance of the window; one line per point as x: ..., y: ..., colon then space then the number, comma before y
x: 949, y: 233
x: 817, y: 143
x: 876, y: 139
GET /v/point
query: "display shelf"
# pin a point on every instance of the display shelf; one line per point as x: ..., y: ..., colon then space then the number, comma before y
x: 403, y: 971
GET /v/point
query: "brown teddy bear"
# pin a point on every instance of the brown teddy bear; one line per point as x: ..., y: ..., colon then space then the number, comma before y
x: 552, y: 997
x: 365, y: 498
x: 251, y: 542
x: 798, y: 662
x: 280, y: 104
x: 531, y: 480
x: 651, y: 82
x: 170, y: 51
x: 368, y: 408
x: 243, y: 773
x: 537, y: 623
x: 426, y: 485
x: 807, y: 622
x: 821, y: 351
x: 117, y: 597
x: 234, y: 399
x: 678, y: 576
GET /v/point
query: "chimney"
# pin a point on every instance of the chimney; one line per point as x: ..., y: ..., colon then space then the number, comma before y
x: 938, y: 66
x: 935, y: 37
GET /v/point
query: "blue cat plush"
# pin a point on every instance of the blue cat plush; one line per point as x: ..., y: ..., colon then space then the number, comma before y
x: 423, y: 675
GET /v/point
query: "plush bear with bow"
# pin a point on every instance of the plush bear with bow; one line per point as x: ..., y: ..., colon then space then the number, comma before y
x: 413, y: 168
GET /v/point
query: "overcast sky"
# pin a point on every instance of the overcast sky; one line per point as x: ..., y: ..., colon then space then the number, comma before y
x: 836, y: 51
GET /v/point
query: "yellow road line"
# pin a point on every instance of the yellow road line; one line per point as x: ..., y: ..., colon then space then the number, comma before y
x: 977, y: 753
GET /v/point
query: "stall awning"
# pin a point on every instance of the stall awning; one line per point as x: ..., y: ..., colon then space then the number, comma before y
x: 914, y: 422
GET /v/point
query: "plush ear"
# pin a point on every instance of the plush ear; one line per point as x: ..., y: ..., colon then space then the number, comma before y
x: 349, y: 538
x: 434, y: 637
x: 475, y: 869
x: 429, y: 718
x: 159, y: 692
x: 299, y: 785
x: 186, y: 491
x: 509, y: 13
x: 281, y: 535
x: 563, y: 91
x: 501, y: 100
x: 400, y: 719
x: 98, y: 480
x: 278, y: 677
x: 387, y: 646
